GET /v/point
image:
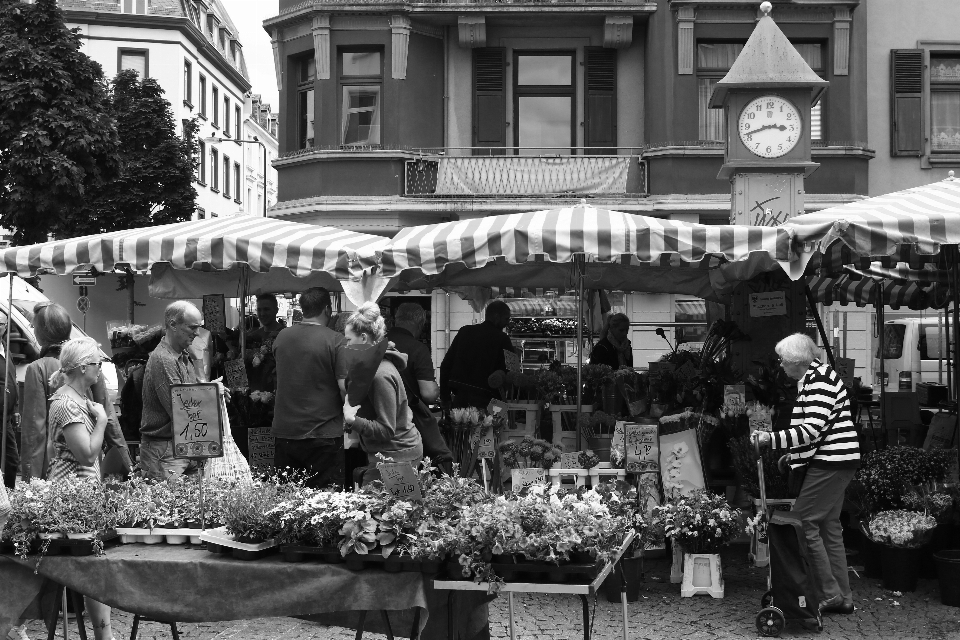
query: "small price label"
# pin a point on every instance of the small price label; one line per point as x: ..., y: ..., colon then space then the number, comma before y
x: 236, y: 374
x: 487, y: 445
x: 525, y: 477
x: 570, y: 460
x: 197, y: 420
x: 400, y: 479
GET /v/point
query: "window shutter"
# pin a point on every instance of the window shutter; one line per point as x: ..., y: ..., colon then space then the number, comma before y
x: 489, y: 97
x: 906, y: 82
x: 601, y: 99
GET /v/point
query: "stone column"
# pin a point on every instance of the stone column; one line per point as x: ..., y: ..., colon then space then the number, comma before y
x: 400, y: 45
x: 321, y: 45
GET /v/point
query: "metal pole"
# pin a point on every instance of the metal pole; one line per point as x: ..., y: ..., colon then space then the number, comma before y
x: 243, y: 312
x: 6, y: 378
x: 579, y: 266
x: 264, y: 176
x: 883, y: 383
x: 955, y: 271
x: 823, y: 332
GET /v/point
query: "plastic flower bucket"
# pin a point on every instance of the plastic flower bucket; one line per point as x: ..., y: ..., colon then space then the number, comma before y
x: 948, y: 568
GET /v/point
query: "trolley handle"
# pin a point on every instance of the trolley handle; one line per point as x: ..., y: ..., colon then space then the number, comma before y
x: 755, y: 436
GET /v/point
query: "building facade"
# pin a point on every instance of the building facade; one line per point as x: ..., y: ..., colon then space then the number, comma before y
x: 261, y: 177
x: 192, y: 49
x: 403, y: 113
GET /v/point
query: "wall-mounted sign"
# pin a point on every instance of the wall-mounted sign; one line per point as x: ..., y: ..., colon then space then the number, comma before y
x: 771, y: 303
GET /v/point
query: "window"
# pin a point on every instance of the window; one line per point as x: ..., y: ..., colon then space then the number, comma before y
x: 933, y: 342
x: 693, y: 311
x: 188, y: 83
x: 134, y: 6
x: 544, y: 93
x: 226, y: 116
x: 600, y: 101
x: 210, y: 25
x: 236, y: 181
x: 226, y: 176
x: 223, y: 40
x: 194, y: 15
x: 203, y: 96
x: 201, y: 214
x: 306, y: 77
x: 215, y: 104
x: 136, y: 59
x: 714, y: 59
x: 361, y: 78
x: 201, y: 162
x: 237, y: 117
x: 945, y: 103
x: 214, y: 169
x: 893, y: 335
x: 249, y: 196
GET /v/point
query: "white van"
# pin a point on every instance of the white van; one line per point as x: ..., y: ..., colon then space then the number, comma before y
x: 24, y: 346
x: 914, y: 350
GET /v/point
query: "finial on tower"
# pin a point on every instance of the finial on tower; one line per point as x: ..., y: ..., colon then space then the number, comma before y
x: 766, y: 8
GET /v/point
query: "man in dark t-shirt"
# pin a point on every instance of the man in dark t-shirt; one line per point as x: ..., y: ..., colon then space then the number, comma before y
x: 308, y: 415
x: 475, y: 353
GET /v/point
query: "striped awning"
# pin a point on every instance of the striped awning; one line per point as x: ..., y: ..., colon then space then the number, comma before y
x: 899, y: 287
x: 220, y: 244
x: 907, y: 227
x: 622, y: 252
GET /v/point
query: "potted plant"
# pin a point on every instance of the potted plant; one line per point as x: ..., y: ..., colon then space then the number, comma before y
x: 598, y: 384
x: 245, y: 510
x: 598, y: 428
x: 902, y: 535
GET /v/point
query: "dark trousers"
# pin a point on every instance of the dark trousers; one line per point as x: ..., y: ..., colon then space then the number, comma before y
x: 12, y: 463
x: 320, y: 457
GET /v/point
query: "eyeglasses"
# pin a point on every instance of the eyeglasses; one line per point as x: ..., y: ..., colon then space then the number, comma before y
x: 98, y: 364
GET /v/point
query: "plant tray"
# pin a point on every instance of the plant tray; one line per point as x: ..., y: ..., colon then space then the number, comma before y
x: 355, y: 561
x: 132, y: 535
x: 576, y: 573
x: 64, y: 546
x: 219, y: 541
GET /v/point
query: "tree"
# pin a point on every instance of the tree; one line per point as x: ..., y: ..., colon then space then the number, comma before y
x: 157, y: 166
x: 57, y: 142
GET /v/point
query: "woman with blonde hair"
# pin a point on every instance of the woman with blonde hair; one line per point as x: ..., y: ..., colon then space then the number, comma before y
x: 383, y: 419
x: 78, y: 425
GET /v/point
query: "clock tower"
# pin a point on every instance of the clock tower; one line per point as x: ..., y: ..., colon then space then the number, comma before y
x: 767, y: 97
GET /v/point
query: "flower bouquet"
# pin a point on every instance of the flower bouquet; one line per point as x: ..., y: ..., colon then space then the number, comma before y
x: 252, y: 408
x: 595, y: 378
x: 901, y: 528
x: 700, y: 522
x: 461, y: 425
x: 529, y: 453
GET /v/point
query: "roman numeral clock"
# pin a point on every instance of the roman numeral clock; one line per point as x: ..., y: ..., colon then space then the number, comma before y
x: 767, y: 97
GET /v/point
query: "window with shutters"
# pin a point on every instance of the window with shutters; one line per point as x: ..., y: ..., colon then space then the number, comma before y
x: 906, y: 70
x: 544, y: 101
x: 361, y: 84
x: 236, y: 182
x: 237, y: 121
x: 188, y: 84
x: 714, y: 59
x: 306, y: 77
x: 945, y: 102
x: 600, y: 105
x: 489, y: 99
x: 201, y: 160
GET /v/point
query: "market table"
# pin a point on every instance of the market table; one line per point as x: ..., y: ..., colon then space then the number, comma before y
x: 189, y: 584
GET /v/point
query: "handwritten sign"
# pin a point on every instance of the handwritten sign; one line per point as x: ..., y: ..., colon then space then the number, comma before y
x: 734, y: 394
x: 400, y: 479
x: 261, y: 446
x: 570, y: 460
x: 512, y: 361
x: 687, y: 372
x: 236, y: 374
x: 617, y: 441
x: 846, y: 368
x: 486, y: 448
x: 771, y: 303
x: 642, y: 448
x: 760, y: 421
x: 214, y: 313
x: 197, y: 421
x: 525, y: 477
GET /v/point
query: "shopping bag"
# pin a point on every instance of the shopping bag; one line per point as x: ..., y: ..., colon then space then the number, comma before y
x: 231, y: 466
x: 363, y: 360
x: 4, y: 506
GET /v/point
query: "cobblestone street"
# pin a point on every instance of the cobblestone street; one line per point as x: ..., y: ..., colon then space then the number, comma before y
x: 660, y: 614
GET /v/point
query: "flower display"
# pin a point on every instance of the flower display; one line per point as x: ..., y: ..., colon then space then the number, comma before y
x: 700, y: 522
x: 672, y: 483
x: 588, y: 459
x: 901, y: 528
x: 887, y: 475
x: 530, y: 452
x: 597, y: 424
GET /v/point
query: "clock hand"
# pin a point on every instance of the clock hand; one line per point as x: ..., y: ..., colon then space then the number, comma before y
x: 782, y: 127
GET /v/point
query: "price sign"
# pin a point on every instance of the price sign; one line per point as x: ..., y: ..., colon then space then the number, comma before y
x: 525, y: 477
x: 764, y: 305
x: 400, y: 479
x: 261, y: 446
x: 197, y: 421
x: 642, y: 448
x: 512, y: 361
x: 617, y: 441
x: 236, y: 374
x: 570, y: 460
x: 214, y: 313
x: 487, y: 445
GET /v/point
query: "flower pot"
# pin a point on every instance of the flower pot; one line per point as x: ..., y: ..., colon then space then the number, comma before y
x: 430, y: 566
x: 948, y: 569
x: 632, y: 570
x: 901, y: 568
x: 393, y: 564
x: 152, y: 539
x: 354, y: 561
x: 87, y: 535
x: 582, y: 557
x: 870, y: 554
x: 601, y: 446
x: 176, y: 539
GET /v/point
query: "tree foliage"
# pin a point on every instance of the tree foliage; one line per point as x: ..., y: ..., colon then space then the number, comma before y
x: 157, y: 166
x: 58, y: 143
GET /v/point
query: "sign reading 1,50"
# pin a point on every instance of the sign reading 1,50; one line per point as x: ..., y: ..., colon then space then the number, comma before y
x: 198, y: 431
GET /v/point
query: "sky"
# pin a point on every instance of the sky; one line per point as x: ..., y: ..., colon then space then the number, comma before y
x: 249, y: 15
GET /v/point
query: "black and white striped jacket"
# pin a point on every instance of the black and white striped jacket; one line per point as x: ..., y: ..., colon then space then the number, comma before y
x: 821, y: 417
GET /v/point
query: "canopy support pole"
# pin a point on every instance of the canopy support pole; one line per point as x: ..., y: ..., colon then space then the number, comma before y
x: 955, y: 272
x: 6, y: 379
x: 578, y: 264
x: 243, y: 312
x: 883, y: 382
x: 823, y: 332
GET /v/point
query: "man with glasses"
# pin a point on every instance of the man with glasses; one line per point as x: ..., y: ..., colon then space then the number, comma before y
x: 169, y: 364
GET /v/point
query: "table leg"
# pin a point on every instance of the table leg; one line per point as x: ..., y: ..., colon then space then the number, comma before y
x: 386, y: 621
x: 415, y: 633
x: 363, y: 618
x: 586, y: 616
x: 78, y: 608
x: 63, y: 605
x: 452, y: 616
x: 513, y: 633
x: 52, y: 618
x: 623, y: 599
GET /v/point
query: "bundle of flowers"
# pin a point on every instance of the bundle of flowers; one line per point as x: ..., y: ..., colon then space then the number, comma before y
x: 529, y: 452
x: 886, y: 476
x: 597, y: 424
x: 745, y: 464
x: 901, y: 528
x: 549, y: 387
x: 253, y: 408
x: 595, y: 377
x: 588, y: 459
x: 514, y: 386
x: 700, y: 522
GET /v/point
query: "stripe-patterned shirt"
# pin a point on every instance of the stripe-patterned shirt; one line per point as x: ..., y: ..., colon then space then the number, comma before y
x: 821, y: 431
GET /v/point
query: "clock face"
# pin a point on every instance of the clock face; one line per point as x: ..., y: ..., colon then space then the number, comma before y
x: 769, y: 126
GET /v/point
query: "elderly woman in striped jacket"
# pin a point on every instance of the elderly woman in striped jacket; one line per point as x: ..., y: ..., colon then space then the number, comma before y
x: 822, y: 437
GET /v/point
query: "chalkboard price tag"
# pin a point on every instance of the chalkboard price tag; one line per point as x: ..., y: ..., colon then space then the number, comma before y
x: 642, y: 448
x: 400, y: 479
x: 525, y: 477
x: 570, y: 460
x: 197, y: 420
x: 261, y: 446
x: 512, y: 361
x: 236, y: 374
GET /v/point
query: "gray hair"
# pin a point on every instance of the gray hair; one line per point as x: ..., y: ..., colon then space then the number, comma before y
x: 798, y: 348
x: 410, y: 313
x: 176, y: 311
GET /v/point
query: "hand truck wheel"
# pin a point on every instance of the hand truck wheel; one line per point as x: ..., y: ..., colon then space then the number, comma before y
x: 770, y: 622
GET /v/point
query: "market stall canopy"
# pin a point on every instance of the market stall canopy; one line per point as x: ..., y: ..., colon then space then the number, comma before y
x: 907, y: 227
x: 189, y: 259
x: 899, y: 287
x: 620, y: 251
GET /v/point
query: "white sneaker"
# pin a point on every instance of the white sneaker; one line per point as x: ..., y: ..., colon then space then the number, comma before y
x: 18, y: 633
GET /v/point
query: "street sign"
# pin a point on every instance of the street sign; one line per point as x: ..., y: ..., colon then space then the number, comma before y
x: 84, y: 281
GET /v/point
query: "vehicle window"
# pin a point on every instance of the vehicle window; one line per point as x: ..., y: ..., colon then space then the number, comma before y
x: 932, y: 343
x: 25, y: 307
x: 892, y: 341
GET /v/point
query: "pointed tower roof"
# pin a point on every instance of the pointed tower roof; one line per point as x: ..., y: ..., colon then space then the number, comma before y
x: 768, y: 60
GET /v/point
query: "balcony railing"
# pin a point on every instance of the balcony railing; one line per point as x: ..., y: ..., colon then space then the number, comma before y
x: 547, y: 173
x: 296, y: 5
